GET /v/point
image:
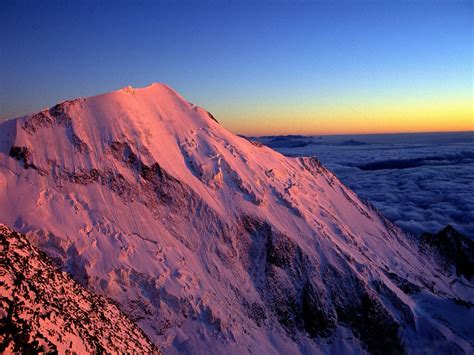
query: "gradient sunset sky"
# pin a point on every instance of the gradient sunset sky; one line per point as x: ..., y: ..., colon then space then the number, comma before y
x: 261, y: 67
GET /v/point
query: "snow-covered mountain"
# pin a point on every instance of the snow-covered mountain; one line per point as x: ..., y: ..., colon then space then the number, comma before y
x: 44, y: 310
x: 213, y: 243
x: 453, y: 251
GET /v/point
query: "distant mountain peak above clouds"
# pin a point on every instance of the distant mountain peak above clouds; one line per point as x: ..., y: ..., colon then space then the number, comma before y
x: 211, y: 242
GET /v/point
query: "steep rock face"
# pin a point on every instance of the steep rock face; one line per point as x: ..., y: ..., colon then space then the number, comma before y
x: 44, y: 310
x: 454, y: 251
x: 212, y: 243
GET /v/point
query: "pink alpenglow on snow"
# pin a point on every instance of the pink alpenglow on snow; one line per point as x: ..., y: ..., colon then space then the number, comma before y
x: 44, y: 310
x: 212, y: 243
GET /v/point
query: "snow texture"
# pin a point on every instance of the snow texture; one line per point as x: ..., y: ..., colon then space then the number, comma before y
x: 212, y: 243
x: 420, y: 181
x: 44, y: 310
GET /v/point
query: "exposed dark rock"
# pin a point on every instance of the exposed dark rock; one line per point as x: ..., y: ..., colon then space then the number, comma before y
x: 43, y: 310
x: 300, y: 305
x: 79, y: 145
x: 319, y: 318
x: 212, y: 117
x: 41, y: 119
x: 403, y: 284
x: 464, y: 303
x: 56, y: 115
x: 406, y: 316
x: 284, y: 253
x: 22, y: 154
x: 257, y: 144
x: 256, y: 312
x: 60, y: 112
x: 453, y: 250
x: 372, y: 324
x: 314, y: 166
x: 357, y: 305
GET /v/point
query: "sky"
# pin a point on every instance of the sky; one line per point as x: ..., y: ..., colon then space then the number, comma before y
x: 260, y: 67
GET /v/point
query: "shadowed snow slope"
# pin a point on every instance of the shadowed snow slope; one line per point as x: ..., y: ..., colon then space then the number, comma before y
x: 212, y: 243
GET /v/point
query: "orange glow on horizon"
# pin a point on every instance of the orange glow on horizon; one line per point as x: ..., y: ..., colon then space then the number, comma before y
x: 353, y: 119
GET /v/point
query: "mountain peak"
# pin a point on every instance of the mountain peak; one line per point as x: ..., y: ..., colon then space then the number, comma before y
x: 213, y: 243
x: 156, y: 89
x: 153, y: 86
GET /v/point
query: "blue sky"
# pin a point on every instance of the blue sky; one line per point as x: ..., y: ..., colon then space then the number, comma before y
x: 253, y: 64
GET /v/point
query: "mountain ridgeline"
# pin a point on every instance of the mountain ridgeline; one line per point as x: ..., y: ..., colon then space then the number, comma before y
x: 211, y: 243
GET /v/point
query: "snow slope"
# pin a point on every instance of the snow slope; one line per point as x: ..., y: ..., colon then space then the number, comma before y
x: 213, y: 243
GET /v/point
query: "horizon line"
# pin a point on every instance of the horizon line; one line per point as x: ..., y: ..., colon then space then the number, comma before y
x: 350, y: 134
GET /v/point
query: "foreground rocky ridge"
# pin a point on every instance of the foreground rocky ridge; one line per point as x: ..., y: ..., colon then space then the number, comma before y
x: 44, y: 310
x: 214, y: 244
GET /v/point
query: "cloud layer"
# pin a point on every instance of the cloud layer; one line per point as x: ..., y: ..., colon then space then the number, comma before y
x: 422, y: 183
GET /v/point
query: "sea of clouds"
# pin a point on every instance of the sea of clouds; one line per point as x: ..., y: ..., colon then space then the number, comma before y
x: 422, y: 182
